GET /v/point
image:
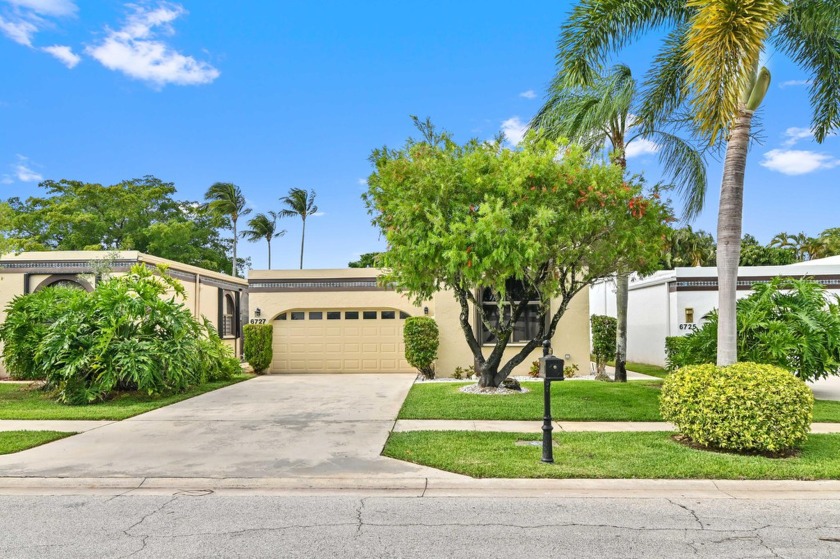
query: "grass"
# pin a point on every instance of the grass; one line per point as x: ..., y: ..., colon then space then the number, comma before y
x: 645, y: 455
x: 15, y: 441
x: 652, y: 370
x: 570, y: 401
x: 19, y: 401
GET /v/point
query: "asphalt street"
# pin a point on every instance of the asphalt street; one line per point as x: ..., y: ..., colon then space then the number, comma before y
x: 203, y: 524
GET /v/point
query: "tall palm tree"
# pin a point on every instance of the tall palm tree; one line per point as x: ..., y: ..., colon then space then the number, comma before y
x: 263, y: 227
x: 709, y: 60
x: 301, y: 203
x: 603, y: 113
x: 226, y: 199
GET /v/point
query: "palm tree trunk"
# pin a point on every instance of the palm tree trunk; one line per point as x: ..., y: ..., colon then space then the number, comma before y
x: 233, y: 261
x: 730, y: 216
x: 622, y: 289
x: 269, y: 252
x: 302, y: 238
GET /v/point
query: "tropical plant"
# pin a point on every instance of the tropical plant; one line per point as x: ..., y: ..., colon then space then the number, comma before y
x: 710, y: 62
x: 263, y: 227
x: 745, y: 407
x: 130, y: 333
x: 28, y: 319
x: 422, y: 339
x: 792, y: 323
x: 603, y: 341
x: 301, y: 203
x: 257, y: 345
x: 754, y: 253
x: 226, y: 199
x: 600, y: 113
x: 520, y: 227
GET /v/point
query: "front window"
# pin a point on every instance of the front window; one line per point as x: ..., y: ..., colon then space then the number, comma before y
x: 525, y: 328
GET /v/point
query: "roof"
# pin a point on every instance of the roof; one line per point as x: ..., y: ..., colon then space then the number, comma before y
x: 37, y: 257
x: 829, y: 261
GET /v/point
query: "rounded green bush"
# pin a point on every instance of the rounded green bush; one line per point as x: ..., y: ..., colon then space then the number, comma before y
x: 257, y: 346
x: 422, y: 339
x: 742, y: 407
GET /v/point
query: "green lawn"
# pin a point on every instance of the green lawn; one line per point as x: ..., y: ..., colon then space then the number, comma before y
x: 15, y: 441
x: 652, y: 370
x: 18, y: 401
x: 605, y: 455
x: 570, y: 401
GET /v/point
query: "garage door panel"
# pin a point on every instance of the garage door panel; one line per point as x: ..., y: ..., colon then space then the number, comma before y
x: 335, y: 346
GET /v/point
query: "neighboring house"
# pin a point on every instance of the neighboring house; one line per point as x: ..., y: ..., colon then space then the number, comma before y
x: 342, y: 321
x: 674, y: 302
x: 216, y: 296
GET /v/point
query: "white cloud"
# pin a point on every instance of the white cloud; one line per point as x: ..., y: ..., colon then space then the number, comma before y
x: 794, y: 83
x: 795, y: 134
x: 797, y: 162
x: 639, y: 147
x: 22, y: 19
x: 514, y: 130
x: 19, y: 31
x: 64, y: 54
x: 529, y: 94
x: 54, y: 8
x: 136, y: 50
x: 22, y: 172
x: 362, y: 182
x: 319, y: 214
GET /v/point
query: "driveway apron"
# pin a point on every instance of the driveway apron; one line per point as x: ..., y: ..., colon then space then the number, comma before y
x: 273, y: 426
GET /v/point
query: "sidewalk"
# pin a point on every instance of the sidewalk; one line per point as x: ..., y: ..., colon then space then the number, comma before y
x: 404, y: 425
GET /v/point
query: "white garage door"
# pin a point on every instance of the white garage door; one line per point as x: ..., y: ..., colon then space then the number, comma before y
x: 339, y: 341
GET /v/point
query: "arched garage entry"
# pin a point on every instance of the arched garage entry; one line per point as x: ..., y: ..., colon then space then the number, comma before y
x: 339, y: 341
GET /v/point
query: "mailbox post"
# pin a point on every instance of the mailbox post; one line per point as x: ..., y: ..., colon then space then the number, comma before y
x: 551, y: 368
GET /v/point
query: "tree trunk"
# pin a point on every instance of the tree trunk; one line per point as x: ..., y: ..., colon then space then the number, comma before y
x: 269, y: 253
x: 233, y: 261
x: 622, y: 284
x: 729, y: 236
x: 302, y: 238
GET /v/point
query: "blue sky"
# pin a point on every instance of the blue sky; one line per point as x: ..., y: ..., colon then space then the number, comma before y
x: 278, y: 94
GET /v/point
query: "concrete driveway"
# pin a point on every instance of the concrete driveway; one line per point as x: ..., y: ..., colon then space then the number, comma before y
x: 273, y: 426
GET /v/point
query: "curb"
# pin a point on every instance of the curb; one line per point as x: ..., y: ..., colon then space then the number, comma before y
x: 427, y: 487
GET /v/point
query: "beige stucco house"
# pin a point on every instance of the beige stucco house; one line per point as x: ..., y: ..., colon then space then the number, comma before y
x: 216, y: 296
x: 341, y: 321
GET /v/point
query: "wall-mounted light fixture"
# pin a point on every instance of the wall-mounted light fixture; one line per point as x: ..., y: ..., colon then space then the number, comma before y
x: 257, y: 312
x: 426, y: 310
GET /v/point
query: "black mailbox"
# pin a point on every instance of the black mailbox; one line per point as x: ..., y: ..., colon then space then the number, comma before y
x: 551, y: 368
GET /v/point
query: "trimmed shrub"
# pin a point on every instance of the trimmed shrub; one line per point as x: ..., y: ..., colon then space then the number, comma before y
x: 421, y: 337
x: 791, y: 323
x: 742, y: 407
x: 28, y: 318
x: 603, y: 340
x: 257, y: 345
x: 130, y: 333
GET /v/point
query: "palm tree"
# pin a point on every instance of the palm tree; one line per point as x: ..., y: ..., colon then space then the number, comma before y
x: 301, y: 203
x: 263, y: 227
x: 602, y: 113
x: 709, y: 60
x: 226, y: 199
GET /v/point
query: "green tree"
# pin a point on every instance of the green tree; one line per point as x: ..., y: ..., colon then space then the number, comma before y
x: 603, y: 113
x: 754, y: 253
x: 831, y: 239
x: 709, y: 61
x: 685, y: 247
x: 518, y: 225
x: 138, y: 214
x: 226, y: 199
x: 301, y: 203
x: 366, y: 260
x: 263, y: 227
